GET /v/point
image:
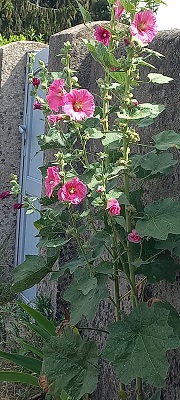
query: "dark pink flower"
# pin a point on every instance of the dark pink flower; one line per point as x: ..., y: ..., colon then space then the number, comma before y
x: 144, y: 26
x: 113, y: 69
x: 36, y: 82
x: 126, y: 41
x: 52, y: 118
x: 52, y: 180
x: 134, y: 236
x: 5, y: 195
x: 113, y: 207
x: 17, y: 206
x: 37, y: 105
x: 100, y: 189
x: 118, y: 9
x: 56, y: 94
x: 73, y: 191
x: 79, y: 104
x: 102, y: 35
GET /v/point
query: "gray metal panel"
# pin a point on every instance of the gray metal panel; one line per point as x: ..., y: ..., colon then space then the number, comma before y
x: 30, y: 177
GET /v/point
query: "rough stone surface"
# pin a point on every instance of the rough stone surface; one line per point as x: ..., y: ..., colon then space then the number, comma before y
x: 89, y: 71
x: 13, y: 60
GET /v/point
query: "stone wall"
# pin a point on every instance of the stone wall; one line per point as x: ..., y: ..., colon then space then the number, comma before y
x: 13, y: 58
x: 89, y: 71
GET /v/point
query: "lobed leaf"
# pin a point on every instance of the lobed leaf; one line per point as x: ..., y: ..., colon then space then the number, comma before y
x: 167, y: 139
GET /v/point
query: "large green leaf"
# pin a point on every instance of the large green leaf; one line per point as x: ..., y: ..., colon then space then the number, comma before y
x: 172, y: 244
x: 159, y: 78
x: 29, y: 273
x: 85, y: 304
x: 162, y: 268
x: 153, y: 164
x: 38, y: 330
x: 161, y: 218
x: 70, y: 364
x: 32, y: 364
x: 145, y: 110
x: 167, y: 139
x: 137, y: 345
x: 12, y: 376
x: 173, y: 319
x: 71, y: 265
x: 156, y: 396
x: 41, y: 320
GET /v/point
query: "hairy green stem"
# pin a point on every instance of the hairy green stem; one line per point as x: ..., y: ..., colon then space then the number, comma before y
x: 139, y: 389
x: 83, y: 144
x: 79, y: 242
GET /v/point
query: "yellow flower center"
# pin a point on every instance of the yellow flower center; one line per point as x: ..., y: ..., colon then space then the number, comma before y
x: 72, y: 190
x: 142, y: 26
x: 77, y: 106
x: 51, y: 182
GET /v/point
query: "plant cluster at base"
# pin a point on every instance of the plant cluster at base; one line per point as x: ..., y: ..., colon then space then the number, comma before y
x: 90, y: 204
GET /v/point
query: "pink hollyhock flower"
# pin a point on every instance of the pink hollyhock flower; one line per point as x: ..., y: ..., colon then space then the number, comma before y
x: 102, y: 35
x: 56, y: 94
x: 100, y: 189
x: 52, y: 118
x: 37, y: 105
x: 36, y: 82
x: 144, y: 26
x: 73, y: 191
x: 113, y: 207
x: 17, y: 206
x: 5, y: 195
x: 118, y: 9
x: 52, y: 180
x: 134, y: 236
x: 79, y: 104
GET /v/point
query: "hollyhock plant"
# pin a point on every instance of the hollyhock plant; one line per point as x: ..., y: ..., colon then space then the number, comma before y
x: 100, y: 189
x: 113, y: 207
x: 5, y: 195
x: 102, y: 35
x: 37, y: 105
x: 118, y: 9
x: 73, y: 191
x: 79, y: 104
x: 134, y: 237
x: 52, y: 180
x: 36, y: 82
x: 56, y: 94
x: 52, y: 118
x: 144, y: 26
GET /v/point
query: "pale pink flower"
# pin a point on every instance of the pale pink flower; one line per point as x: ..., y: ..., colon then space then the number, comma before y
x: 36, y: 82
x: 118, y: 9
x: 134, y: 236
x: 56, y: 94
x: 135, y: 102
x: 100, y: 189
x: 144, y: 26
x: 52, y: 180
x: 102, y: 35
x: 52, y: 118
x: 73, y: 191
x: 113, y: 207
x: 79, y: 104
x: 37, y: 105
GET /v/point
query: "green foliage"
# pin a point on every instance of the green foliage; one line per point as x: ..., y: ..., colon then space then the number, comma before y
x: 42, y: 321
x: 85, y: 294
x: 162, y: 268
x: 153, y: 164
x: 29, y: 363
x: 70, y: 363
x: 30, y: 272
x: 167, y: 139
x: 22, y: 377
x: 159, y: 78
x: 148, y: 335
x: 156, y: 396
x: 161, y: 218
